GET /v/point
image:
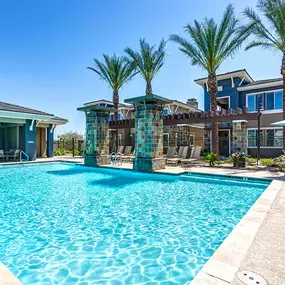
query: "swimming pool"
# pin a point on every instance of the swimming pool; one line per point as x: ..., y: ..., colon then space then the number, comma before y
x: 68, y: 224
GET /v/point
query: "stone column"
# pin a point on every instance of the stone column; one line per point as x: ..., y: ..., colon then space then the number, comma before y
x: 149, y: 138
x: 239, y: 136
x: 97, y: 138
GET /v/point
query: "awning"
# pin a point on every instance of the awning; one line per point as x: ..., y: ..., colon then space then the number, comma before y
x: 279, y: 124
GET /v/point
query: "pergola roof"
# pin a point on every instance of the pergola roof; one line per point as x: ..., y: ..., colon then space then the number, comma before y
x: 196, y: 118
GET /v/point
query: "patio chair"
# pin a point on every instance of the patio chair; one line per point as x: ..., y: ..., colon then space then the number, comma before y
x: 15, y: 156
x: 170, y: 153
x: 182, y: 154
x: 2, y: 155
x: 194, y: 157
x: 127, y: 154
x: 121, y: 149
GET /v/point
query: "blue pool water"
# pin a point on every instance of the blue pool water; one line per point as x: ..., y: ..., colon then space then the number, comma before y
x: 73, y: 225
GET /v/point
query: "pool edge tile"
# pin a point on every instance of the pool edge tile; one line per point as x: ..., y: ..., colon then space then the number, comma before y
x: 222, y: 266
x: 7, y: 277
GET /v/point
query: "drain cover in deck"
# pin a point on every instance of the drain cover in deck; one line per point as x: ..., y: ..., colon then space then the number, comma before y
x: 251, y: 278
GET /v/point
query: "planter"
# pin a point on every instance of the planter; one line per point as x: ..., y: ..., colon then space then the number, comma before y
x: 241, y: 163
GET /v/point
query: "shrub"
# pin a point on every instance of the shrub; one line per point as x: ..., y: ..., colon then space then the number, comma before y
x: 280, y: 162
x: 213, y: 159
x: 59, y: 151
x: 268, y: 162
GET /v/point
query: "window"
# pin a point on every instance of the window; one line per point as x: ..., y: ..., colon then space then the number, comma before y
x: 269, y: 100
x: 111, y: 117
x: 166, y: 140
x: 223, y: 103
x: 268, y: 138
x: 250, y: 102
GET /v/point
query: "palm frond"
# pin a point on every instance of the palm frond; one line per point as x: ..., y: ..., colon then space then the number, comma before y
x: 115, y: 70
x: 149, y: 60
x: 211, y: 43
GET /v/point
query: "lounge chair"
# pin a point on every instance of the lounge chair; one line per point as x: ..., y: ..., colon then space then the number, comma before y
x: 15, y: 156
x: 127, y: 154
x: 182, y: 154
x: 2, y: 155
x: 121, y: 149
x: 170, y: 153
x: 194, y: 157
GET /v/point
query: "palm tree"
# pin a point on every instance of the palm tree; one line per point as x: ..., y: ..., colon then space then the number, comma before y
x: 270, y: 36
x: 116, y: 71
x: 148, y: 61
x: 209, y: 45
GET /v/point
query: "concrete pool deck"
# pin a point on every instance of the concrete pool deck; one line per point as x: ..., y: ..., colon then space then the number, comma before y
x: 255, y: 244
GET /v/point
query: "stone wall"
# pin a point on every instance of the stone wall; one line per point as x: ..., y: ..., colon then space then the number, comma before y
x: 239, y: 136
x: 149, y: 138
x: 97, y: 137
x: 149, y: 131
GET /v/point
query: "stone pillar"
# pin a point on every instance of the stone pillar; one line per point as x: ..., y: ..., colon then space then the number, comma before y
x: 30, y: 139
x: 149, y: 138
x: 239, y: 136
x: 50, y: 136
x: 183, y: 136
x: 97, y: 138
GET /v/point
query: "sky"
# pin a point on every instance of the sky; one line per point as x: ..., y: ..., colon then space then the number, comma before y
x: 46, y: 45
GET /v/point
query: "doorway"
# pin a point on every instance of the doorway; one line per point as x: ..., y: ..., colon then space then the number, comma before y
x: 41, y: 142
x: 224, y: 142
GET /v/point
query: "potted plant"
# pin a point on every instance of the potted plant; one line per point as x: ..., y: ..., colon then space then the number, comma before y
x: 239, y: 159
x: 280, y: 162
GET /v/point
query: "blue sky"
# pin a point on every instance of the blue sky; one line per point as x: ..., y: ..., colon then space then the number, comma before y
x: 46, y: 45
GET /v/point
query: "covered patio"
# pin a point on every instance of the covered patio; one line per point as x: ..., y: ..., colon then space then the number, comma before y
x: 26, y: 133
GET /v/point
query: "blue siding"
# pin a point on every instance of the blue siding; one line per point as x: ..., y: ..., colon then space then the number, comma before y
x: 228, y: 90
x: 30, y: 140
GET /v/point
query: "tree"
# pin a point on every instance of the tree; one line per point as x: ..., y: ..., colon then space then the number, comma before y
x: 116, y: 71
x: 148, y: 61
x: 69, y: 135
x: 208, y: 46
x: 270, y: 35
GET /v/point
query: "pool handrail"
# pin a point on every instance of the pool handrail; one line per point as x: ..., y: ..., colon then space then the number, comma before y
x: 27, y: 157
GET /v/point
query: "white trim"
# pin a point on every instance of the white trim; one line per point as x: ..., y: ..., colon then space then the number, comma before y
x: 12, y: 121
x: 27, y: 116
x: 176, y: 109
x: 240, y: 74
x: 233, y: 83
x: 32, y: 125
x: 260, y: 86
x: 207, y: 86
x: 265, y: 98
x: 241, y: 81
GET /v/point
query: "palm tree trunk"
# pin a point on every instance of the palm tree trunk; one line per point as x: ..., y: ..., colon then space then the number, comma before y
x: 213, y: 90
x: 283, y: 98
x: 116, y: 106
x: 148, y: 90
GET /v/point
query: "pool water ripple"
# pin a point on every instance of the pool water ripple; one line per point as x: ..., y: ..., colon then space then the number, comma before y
x: 68, y: 224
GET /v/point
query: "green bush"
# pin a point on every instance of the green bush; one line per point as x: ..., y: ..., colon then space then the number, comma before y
x: 59, y: 152
x: 213, y: 159
x: 268, y: 162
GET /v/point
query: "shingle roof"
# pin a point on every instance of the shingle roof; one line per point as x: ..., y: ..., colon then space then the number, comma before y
x: 264, y: 81
x: 20, y: 109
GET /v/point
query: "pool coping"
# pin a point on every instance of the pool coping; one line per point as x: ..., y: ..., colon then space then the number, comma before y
x: 222, y: 267
x: 224, y: 264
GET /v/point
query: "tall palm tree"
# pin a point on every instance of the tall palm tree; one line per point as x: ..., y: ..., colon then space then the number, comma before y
x: 208, y: 46
x: 116, y: 71
x: 148, y: 61
x: 270, y: 35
